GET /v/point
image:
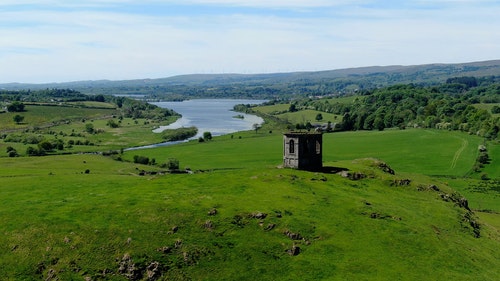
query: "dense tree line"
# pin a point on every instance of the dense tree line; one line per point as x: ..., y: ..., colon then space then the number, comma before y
x: 415, y: 106
x: 46, y: 95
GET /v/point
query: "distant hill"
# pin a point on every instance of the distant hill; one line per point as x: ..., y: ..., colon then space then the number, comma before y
x: 316, y: 82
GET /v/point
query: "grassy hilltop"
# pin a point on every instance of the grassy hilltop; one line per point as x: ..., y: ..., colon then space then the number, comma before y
x: 238, y: 218
x: 74, y: 214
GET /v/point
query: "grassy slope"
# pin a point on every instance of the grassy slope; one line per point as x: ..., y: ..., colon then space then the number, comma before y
x: 131, y: 132
x: 40, y: 115
x: 304, y: 116
x: 424, y: 151
x: 430, y: 152
x: 55, y: 217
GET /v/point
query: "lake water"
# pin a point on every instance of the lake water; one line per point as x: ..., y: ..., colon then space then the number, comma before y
x: 211, y: 115
x: 208, y: 115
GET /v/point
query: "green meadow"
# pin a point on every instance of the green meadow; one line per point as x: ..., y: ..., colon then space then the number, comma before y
x: 59, y: 221
x: 430, y: 152
x: 237, y: 215
x: 43, y: 115
x: 68, y: 123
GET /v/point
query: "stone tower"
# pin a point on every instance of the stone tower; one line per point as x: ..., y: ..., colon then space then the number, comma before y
x: 303, y: 151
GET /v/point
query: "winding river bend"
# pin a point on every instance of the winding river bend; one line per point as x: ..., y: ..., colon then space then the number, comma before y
x: 208, y: 115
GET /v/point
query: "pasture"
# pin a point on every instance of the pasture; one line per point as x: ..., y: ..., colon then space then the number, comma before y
x: 239, y: 216
x: 430, y: 152
x: 43, y: 115
x: 69, y: 124
x: 58, y: 221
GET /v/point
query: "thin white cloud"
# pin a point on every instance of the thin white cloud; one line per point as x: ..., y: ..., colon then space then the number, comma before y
x: 44, y: 45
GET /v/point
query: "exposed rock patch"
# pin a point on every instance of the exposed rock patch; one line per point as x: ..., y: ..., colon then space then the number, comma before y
x: 352, y: 175
x: 164, y: 249
x: 294, y: 250
x: 258, y: 215
x: 209, y: 225
x: 293, y: 236
x: 385, y: 168
x: 401, y: 182
x: 127, y: 268
x: 270, y: 226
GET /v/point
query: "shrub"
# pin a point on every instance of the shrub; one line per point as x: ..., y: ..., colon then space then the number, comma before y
x: 15, y: 107
x: 45, y: 145
x: 207, y: 136
x: 89, y: 128
x: 112, y: 124
x: 31, y: 151
x: 12, y: 152
x: 141, y: 159
x: 172, y: 164
x: 483, y: 158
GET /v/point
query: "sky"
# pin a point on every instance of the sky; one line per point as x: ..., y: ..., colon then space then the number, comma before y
x: 45, y: 41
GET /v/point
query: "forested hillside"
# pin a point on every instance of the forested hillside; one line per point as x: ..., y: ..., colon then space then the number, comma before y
x: 279, y: 85
x: 459, y: 104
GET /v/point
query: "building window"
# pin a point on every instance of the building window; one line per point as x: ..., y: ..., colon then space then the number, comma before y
x: 318, y: 147
x: 291, y: 146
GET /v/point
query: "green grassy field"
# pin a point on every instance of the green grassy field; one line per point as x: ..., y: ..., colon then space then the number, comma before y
x: 430, y: 152
x: 58, y: 221
x: 40, y: 115
x: 238, y: 216
x: 69, y: 123
x: 304, y: 116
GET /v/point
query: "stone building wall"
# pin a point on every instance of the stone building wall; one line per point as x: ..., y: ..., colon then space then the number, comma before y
x: 303, y: 151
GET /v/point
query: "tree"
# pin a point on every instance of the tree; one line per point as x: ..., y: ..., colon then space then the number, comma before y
x: 319, y: 117
x: 207, y: 136
x: 89, y: 128
x: 495, y: 109
x: 173, y: 164
x: 112, y: 124
x: 31, y: 151
x: 141, y: 159
x: 18, y: 118
x: 45, y: 146
x: 11, y: 152
x: 256, y: 127
x: 15, y: 107
x: 378, y: 123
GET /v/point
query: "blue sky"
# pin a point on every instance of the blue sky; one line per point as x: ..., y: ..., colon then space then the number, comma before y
x: 63, y: 40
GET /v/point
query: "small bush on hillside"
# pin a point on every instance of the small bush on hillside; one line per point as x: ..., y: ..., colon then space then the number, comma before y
x: 483, y: 158
x: 31, y: 151
x: 11, y: 152
x: 172, y: 164
x: 89, y: 128
x: 207, y: 136
x: 141, y: 159
x: 45, y: 145
x: 113, y: 124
